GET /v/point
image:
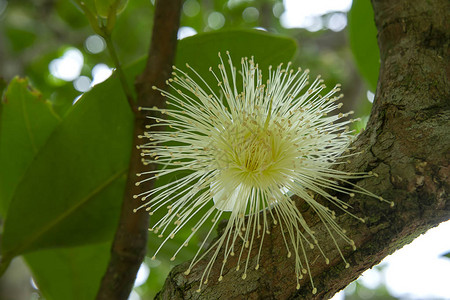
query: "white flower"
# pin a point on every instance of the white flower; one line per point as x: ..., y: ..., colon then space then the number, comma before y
x: 248, y: 145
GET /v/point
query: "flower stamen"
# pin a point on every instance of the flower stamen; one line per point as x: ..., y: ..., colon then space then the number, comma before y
x: 246, y: 148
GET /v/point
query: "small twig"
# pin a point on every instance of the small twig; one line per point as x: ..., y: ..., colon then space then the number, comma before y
x: 121, y: 74
x: 104, y: 30
x: 129, y: 245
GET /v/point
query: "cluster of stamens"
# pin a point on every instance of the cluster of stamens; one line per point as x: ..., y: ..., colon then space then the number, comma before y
x: 247, y: 148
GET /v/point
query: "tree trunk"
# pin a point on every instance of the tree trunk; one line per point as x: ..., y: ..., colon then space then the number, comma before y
x: 407, y: 143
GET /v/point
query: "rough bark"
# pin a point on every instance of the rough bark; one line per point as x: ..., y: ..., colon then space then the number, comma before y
x: 406, y: 143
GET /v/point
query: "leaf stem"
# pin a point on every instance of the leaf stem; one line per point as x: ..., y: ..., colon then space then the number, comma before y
x: 104, y: 30
x: 120, y: 72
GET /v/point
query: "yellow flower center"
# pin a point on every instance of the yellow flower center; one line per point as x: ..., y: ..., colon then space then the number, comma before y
x: 255, y: 154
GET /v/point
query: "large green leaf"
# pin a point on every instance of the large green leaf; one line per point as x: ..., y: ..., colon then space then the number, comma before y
x: 26, y: 121
x: 363, y: 41
x: 69, y: 274
x: 201, y: 51
x: 72, y: 191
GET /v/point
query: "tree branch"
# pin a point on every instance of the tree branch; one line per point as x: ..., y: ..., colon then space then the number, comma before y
x: 130, y: 242
x: 406, y: 143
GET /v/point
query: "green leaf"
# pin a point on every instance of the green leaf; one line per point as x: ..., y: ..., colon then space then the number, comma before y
x: 69, y: 273
x: 26, y: 121
x: 72, y: 191
x: 201, y: 51
x: 363, y: 41
x: 447, y: 255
